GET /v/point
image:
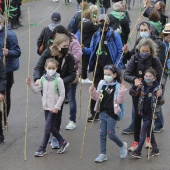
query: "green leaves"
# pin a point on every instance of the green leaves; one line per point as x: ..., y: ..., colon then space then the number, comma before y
x: 9, y: 9
x: 32, y: 24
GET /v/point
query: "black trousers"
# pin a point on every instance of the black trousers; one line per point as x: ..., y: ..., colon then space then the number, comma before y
x: 85, y: 62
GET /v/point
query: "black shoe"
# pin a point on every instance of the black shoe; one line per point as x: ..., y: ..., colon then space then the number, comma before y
x: 66, y: 101
x: 20, y: 25
x: 129, y: 8
x: 2, y: 139
x: 127, y: 131
x: 90, y: 119
x: 158, y: 130
x: 63, y: 147
x: 14, y: 26
x: 155, y: 152
x: 135, y: 154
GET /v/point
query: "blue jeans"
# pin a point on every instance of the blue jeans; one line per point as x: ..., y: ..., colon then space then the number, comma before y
x: 103, y: 10
x: 72, y: 102
x: 50, y: 128
x: 145, y: 131
x: 107, y: 126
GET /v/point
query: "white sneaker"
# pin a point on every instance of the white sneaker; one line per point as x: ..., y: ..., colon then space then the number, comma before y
x: 123, y: 150
x: 69, y: 1
x: 101, y: 158
x: 86, y: 81
x: 55, y: 0
x: 71, y: 125
x: 55, y: 143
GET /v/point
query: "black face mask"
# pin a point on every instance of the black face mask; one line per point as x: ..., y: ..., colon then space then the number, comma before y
x: 102, y: 25
x: 64, y: 51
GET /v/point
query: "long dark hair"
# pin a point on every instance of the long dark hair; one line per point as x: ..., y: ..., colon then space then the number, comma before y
x: 114, y: 70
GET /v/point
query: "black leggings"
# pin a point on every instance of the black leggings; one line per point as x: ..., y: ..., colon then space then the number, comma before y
x: 85, y: 62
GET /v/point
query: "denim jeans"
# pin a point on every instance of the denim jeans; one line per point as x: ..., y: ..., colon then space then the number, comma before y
x: 72, y: 102
x: 107, y: 126
x: 145, y: 131
x: 50, y: 128
x: 103, y: 10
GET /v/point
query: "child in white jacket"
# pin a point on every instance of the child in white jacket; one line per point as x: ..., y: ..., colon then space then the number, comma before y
x: 52, y: 99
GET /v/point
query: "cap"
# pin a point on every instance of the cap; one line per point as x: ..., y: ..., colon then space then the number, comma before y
x: 56, y: 16
x: 103, y: 17
x: 166, y: 29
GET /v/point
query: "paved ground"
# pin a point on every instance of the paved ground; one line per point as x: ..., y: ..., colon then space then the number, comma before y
x: 11, y: 153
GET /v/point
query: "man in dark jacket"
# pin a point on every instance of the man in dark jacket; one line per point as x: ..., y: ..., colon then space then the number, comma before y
x: 144, y: 29
x: 46, y: 32
x: 119, y: 22
x: 12, y: 53
x: 2, y: 94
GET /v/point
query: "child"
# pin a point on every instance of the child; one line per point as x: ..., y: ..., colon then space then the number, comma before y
x: 109, y: 109
x: 148, y: 90
x: 53, y: 97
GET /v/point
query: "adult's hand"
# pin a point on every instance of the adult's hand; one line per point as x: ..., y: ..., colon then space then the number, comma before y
x: 1, y: 97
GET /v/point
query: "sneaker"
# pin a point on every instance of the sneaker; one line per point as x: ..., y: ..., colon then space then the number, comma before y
x: 86, y: 81
x: 101, y: 158
x: 158, y: 130
x: 2, y: 139
x: 66, y: 101
x: 71, y: 125
x: 90, y: 119
x: 123, y: 150
x: 133, y: 147
x: 135, y: 154
x: 55, y: 143
x: 155, y: 152
x: 69, y: 1
x: 40, y: 153
x: 127, y: 131
x: 148, y: 143
x: 63, y: 147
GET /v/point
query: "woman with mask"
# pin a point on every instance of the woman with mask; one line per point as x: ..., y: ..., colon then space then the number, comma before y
x: 144, y: 58
x: 59, y: 50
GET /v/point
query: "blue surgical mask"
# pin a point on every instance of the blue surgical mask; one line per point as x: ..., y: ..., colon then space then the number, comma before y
x: 108, y: 79
x: 144, y: 55
x: 148, y: 80
x: 145, y: 34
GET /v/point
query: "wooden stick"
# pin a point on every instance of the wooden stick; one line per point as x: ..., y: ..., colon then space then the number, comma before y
x: 93, y: 120
x: 157, y: 100
x: 85, y: 128
x: 132, y: 33
x: 26, y: 114
x: 81, y: 39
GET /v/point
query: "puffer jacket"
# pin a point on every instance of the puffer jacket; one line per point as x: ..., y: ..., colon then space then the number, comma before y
x: 66, y: 68
x: 2, y: 78
x: 76, y: 51
x: 157, y: 40
x: 14, y: 52
x: 131, y: 72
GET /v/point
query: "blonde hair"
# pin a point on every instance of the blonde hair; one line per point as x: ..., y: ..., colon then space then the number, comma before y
x: 57, y: 41
x: 149, y: 43
x: 87, y: 14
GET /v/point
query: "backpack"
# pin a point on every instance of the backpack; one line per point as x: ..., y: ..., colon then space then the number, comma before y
x: 72, y: 27
x: 122, y: 112
x: 55, y: 82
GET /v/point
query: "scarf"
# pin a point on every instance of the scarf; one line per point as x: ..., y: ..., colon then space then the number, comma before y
x: 157, y: 26
x: 110, y: 84
x: 52, y: 78
x: 119, y: 15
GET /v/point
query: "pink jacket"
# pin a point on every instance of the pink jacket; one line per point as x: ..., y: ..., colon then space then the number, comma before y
x: 120, y: 98
x: 50, y: 98
x: 76, y: 51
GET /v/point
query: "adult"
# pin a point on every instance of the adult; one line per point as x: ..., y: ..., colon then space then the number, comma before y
x: 110, y: 52
x: 46, y: 32
x: 119, y: 22
x: 67, y: 68
x: 12, y: 53
x: 145, y: 32
x: 104, y: 6
x: 144, y: 58
x: 75, y: 50
x: 2, y: 94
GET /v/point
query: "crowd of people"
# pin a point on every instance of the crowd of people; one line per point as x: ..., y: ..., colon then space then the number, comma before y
x: 103, y: 50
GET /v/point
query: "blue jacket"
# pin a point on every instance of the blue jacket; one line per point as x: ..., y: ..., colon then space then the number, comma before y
x: 14, y: 52
x: 115, y: 46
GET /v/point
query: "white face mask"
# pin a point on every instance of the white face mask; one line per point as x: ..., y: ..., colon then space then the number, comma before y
x: 108, y: 79
x: 1, y: 27
x: 50, y: 72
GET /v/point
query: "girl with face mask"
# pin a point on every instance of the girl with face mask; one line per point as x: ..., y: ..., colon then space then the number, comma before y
x: 148, y: 91
x: 109, y: 109
x: 53, y: 97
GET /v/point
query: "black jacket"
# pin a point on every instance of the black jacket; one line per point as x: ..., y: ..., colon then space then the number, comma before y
x: 92, y: 1
x: 2, y: 78
x: 105, y: 3
x: 161, y: 50
x: 67, y: 71
x: 132, y: 72
x: 124, y: 23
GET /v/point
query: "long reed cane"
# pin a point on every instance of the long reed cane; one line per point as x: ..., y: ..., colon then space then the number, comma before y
x: 153, y: 114
x: 98, y: 51
x: 26, y: 113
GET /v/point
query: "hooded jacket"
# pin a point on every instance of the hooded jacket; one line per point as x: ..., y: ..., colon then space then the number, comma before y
x: 2, y: 78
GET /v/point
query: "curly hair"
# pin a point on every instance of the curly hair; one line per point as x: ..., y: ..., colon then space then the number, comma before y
x: 149, y: 43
